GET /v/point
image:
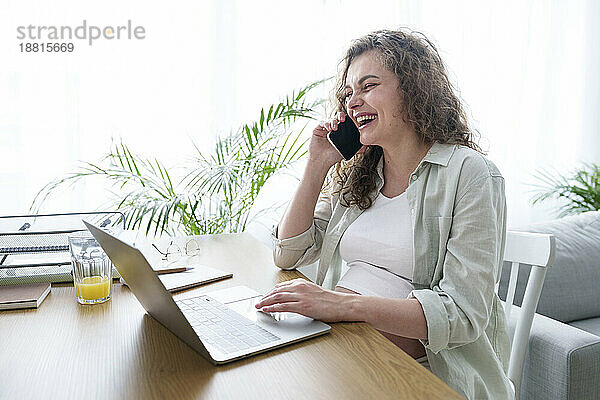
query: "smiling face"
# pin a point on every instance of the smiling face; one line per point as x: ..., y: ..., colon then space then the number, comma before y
x: 373, y: 101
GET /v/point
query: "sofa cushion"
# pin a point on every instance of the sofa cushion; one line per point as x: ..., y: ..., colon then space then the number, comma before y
x: 591, y: 325
x: 561, y: 362
x: 570, y: 289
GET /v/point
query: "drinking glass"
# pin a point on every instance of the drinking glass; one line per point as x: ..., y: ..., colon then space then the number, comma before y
x: 92, y: 269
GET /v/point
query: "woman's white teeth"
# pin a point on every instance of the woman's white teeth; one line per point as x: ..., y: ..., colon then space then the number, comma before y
x: 363, y: 119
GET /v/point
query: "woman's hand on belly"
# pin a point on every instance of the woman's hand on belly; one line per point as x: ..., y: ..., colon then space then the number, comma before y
x: 306, y: 298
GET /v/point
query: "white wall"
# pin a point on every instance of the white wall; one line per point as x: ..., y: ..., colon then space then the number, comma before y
x: 527, y: 70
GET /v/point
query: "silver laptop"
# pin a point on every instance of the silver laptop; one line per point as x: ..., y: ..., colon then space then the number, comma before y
x: 223, y: 325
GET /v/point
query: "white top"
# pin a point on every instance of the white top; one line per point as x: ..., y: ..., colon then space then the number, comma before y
x: 378, y: 250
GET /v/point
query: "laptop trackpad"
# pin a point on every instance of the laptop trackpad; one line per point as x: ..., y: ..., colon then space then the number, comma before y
x: 233, y: 294
x: 242, y: 299
x: 279, y: 319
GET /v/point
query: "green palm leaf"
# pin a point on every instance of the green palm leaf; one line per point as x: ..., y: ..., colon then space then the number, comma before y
x: 580, y: 190
x: 217, y: 189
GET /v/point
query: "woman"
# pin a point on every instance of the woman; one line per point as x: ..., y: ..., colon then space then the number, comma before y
x: 418, y: 215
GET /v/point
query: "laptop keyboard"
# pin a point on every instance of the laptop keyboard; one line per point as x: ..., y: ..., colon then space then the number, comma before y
x: 222, y: 327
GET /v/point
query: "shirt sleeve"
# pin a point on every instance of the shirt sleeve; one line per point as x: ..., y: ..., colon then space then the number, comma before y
x: 305, y: 248
x: 458, y: 308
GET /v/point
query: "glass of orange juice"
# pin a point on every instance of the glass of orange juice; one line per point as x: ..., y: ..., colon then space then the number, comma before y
x: 92, y: 269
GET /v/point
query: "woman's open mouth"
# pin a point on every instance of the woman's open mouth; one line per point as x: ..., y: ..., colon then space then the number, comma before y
x: 365, y: 120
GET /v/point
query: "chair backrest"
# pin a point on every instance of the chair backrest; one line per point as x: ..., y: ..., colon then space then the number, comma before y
x: 537, y: 250
x: 570, y: 290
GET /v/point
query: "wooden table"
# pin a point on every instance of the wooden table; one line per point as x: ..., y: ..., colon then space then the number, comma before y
x: 116, y: 351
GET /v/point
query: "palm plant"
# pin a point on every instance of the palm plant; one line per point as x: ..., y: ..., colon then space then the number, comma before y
x: 580, y: 189
x: 218, y: 189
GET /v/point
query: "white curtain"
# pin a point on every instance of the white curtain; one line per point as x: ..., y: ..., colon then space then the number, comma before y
x: 528, y: 71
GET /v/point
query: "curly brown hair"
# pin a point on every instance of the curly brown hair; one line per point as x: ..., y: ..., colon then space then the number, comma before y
x: 430, y: 104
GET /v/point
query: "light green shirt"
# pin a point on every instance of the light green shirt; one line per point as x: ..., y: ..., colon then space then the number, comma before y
x: 456, y: 197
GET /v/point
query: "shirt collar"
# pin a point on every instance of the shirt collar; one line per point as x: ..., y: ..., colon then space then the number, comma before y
x: 439, y: 153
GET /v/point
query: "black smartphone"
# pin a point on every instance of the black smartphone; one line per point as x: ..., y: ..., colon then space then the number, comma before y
x: 346, y: 139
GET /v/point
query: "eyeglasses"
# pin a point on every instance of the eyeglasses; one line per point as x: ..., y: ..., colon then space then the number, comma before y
x: 174, y: 251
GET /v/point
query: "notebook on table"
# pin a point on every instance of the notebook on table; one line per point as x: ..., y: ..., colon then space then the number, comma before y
x: 194, y: 275
x: 177, y: 279
x: 23, y: 296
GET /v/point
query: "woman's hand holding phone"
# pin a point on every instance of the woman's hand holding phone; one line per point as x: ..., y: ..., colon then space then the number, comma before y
x: 321, y: 157
x: 320, y: 149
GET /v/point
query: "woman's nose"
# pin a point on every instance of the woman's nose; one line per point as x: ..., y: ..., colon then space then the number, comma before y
x: 354, y: 101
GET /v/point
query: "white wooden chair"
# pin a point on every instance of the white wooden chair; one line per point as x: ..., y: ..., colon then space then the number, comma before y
x: 537, y: 250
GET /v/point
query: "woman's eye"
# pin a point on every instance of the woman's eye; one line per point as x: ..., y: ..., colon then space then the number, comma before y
x: 368, y: 86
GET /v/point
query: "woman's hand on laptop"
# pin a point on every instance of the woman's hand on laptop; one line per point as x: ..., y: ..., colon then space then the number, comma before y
x: 306, y: 298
